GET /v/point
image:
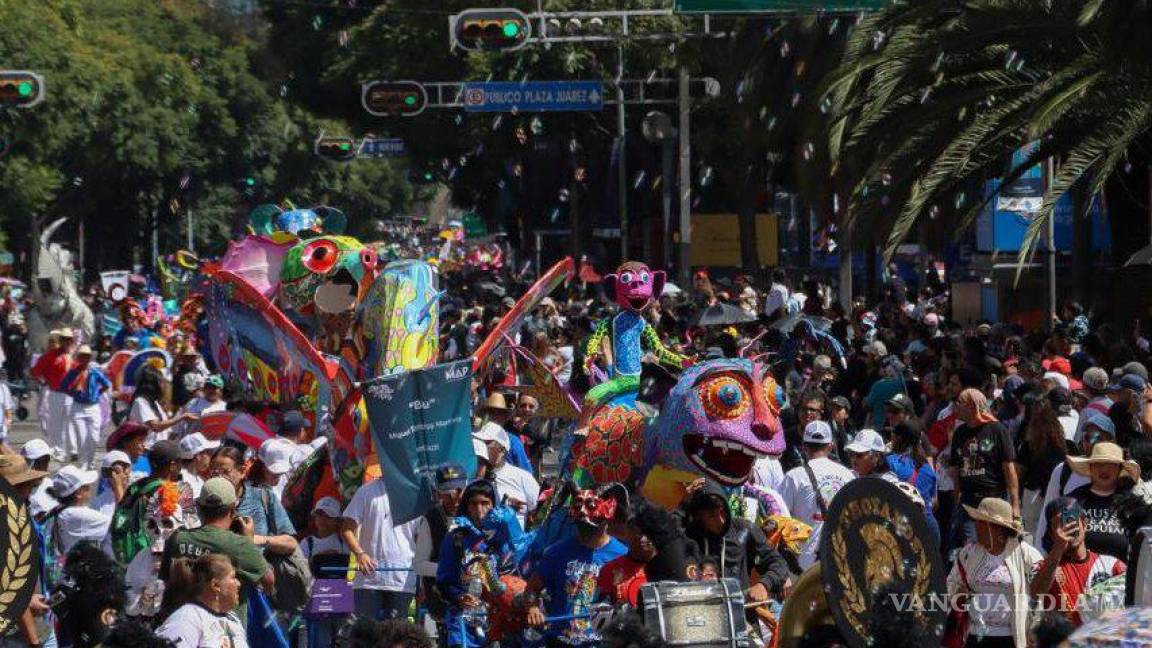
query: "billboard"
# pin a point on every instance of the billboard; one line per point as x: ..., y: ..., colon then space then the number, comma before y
x: 716, y: 240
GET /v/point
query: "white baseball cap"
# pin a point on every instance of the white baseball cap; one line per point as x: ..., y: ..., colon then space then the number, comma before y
x: 195, y: 443
x: 818, y: 432
x: 276, y: 455
x: 492, y: 431
x: 70, y: 479
x: 867, y: 440
x: 35, y: 449
x: 115, y: 457
x: 479, y: 448
x: 328, y: 506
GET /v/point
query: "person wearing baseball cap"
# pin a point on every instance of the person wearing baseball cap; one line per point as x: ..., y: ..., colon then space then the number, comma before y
x: 224, y: 533
x: 517, y: 486
x: 84, y: 383
x: 275, y: 456
x: 808, y: 488
x: 49, y: 370
x: 112, y: 465
x: 197, y: 468
x: 867, y: 453
x: 77, y: 521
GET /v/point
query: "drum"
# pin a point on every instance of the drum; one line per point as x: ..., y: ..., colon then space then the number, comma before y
x: 704, y: 613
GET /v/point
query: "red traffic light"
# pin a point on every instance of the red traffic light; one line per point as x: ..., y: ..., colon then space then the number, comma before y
x: 393, y: 98
x: 20, y: 88
x: 501, y: 30
x: 337, y: 149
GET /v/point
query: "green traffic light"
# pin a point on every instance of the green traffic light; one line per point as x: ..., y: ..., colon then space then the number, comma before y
x: 428, y: 176
x: 251, y: 182
x: 511, y: 29
x: 24, y: 88
x: 410, y: 100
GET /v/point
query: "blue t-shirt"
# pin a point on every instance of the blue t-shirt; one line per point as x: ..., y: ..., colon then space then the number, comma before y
x: 252, y: 504
x: 570, y: 572
x: 903, y: 465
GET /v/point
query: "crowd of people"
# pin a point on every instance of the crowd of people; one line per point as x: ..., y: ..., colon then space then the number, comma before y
x: 1027, y: 450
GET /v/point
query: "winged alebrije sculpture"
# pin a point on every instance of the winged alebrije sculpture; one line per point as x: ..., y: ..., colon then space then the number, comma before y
x: 633, y: 287
x: 327, y: 274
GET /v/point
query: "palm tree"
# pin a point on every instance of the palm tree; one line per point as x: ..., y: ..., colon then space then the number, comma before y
x: 933, y: 97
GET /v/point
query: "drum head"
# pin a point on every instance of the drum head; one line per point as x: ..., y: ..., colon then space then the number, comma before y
x: 876, y: 540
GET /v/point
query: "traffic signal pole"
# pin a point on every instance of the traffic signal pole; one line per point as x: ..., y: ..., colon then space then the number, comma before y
x: 685, y: 179
x: 622, y: 162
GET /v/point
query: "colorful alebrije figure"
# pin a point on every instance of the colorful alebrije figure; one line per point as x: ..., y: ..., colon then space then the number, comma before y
x: 719, y: 418
x: 329, y: 274
x: 633, y: 287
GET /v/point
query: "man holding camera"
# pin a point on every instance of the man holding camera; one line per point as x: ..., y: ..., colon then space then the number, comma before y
x: 223, y: 533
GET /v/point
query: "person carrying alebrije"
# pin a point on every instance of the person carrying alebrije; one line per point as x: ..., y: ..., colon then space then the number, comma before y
x: 473, y: 555
x: 633, y: 287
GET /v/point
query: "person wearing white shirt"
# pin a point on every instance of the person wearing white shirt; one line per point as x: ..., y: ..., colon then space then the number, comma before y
x: 808, y: 489
x: 76, y: 521
x: 207, y: 619
x: 516, y: 487
x: 376, y: 541
x: 197, y: 469
x: 778, y: 294
x: 113, y: 463
x: 211, y: 402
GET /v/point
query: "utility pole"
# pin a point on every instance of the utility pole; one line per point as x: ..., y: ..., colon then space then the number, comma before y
x: 622, y: 163
x: 191, y: 239
x: 685, y: 179
x: 1050, y: 241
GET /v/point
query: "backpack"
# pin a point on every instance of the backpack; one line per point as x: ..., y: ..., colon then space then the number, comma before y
x: 129, y: 531
x: 293, y: 573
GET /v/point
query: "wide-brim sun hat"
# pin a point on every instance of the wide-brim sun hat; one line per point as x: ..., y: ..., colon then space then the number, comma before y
x: 1106, y: 453
x: 993, y: 510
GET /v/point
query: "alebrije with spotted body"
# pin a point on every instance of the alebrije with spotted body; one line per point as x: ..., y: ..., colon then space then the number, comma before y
x: 717, y: 420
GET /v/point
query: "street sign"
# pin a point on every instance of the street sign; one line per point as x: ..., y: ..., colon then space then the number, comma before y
x: 533, y: 96
x: 776, y: 6
x: 377, y: 147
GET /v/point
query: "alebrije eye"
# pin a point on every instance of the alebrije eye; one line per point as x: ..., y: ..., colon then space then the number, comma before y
x: 626, y: 277
x: 729, y: 395
x: 724, y: 398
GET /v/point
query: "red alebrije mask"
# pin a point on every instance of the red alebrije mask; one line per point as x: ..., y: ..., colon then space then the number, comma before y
x: 586, y: 505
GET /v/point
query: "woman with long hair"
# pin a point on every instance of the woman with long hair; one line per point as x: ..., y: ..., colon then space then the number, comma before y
x: 204, y: 593
x: 1042, y: 448
x: 148, y: 406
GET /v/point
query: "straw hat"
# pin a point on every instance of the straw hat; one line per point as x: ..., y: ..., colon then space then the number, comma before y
x: 1108, y: 453
x: 495, y: 401
x: 993, y: 510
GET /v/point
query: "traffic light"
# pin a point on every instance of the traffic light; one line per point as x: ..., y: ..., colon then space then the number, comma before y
x: 501, y: 30
x: 393, y: 98
x: 20, y: 88
x: 337, y: 149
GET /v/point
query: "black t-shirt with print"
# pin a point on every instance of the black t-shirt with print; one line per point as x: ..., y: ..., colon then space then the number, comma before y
x: 979, y: 454
x: 1105, y: 532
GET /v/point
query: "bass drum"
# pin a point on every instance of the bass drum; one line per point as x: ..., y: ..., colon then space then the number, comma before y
x: 1138, y: 584
x: 705, y: 613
